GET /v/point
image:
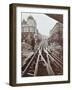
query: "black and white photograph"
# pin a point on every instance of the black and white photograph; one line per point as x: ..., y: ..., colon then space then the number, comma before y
x: 41, y: 44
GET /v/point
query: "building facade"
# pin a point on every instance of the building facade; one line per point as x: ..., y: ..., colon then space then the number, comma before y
x: 29, y: 25
x: 56, y: 34
x: 29, y: 30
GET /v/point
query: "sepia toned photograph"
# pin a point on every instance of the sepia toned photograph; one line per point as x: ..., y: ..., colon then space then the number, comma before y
x: 41, y: 44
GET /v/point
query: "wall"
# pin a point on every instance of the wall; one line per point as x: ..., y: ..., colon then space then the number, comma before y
x: 4, y: 45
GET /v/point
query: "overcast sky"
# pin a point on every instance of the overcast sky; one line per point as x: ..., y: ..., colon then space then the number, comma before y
x: 44, y: 23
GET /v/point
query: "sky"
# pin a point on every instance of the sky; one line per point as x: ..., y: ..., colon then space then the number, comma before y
x: 44, y: 22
